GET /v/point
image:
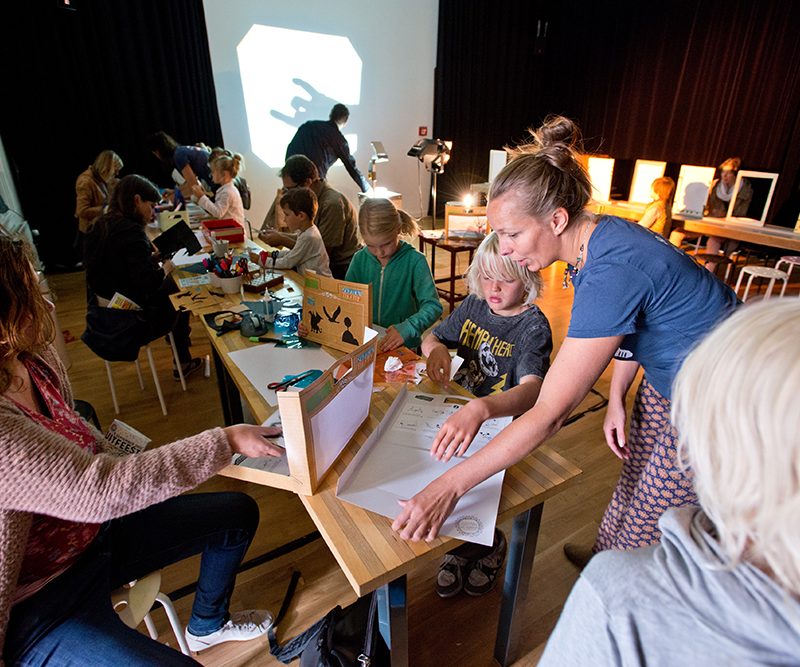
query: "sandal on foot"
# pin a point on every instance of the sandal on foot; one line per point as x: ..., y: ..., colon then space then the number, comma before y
x: 483, y: 575
x: 450, y: 579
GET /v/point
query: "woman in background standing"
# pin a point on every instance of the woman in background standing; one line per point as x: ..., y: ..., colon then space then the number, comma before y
x: 93, y: 192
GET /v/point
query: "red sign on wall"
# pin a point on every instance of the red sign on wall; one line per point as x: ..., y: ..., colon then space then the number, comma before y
x: 423, y: 131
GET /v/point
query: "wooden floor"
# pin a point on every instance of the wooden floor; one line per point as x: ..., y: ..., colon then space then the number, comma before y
x: 442, y: 632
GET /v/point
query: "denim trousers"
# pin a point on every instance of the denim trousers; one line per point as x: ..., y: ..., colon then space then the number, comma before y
x: 71, y: 621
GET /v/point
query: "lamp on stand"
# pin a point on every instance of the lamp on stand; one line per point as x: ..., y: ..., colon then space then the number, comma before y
x: 434, y: 154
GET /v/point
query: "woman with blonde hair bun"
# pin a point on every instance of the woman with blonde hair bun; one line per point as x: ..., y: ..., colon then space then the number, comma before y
x: 637, y: 300
x: 725, y: 579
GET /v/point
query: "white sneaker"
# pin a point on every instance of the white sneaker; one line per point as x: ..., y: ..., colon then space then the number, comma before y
x: 242, y: 626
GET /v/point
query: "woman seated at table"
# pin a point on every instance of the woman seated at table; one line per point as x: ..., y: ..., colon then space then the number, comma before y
x: 723, y: 585
x: 120, y: 259
x: 77, y: 519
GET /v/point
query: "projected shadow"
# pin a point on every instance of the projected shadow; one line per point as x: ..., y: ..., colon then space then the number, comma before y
x: 316, y: 108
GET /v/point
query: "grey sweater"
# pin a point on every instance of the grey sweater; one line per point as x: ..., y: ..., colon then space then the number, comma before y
x: 675, y: 604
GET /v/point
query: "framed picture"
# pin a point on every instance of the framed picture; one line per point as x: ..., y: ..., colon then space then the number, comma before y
x: 752, y: 195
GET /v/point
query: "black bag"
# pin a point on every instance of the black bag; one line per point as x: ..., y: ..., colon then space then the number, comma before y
x: 114, y: 334
x: 244, y: 191
x: 346, y: 637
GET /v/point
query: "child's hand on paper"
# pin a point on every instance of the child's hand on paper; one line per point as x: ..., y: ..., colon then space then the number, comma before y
x: 252, y: 440
x: 438, y: 365
x: 197, y: 190
x: 392, y: 340
x: 302, y: 331
x: 457, y: 433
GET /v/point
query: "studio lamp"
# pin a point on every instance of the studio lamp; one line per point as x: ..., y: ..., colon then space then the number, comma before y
x: 434, y: 154
x: 378, y: 155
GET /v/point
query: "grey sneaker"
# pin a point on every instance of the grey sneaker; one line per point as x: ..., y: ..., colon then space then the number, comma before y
x: 483, y: 574
x: 450, y: 579
x: 242, y: 626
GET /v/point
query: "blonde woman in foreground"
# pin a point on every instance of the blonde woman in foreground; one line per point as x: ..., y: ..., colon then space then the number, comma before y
x: 724, y: 583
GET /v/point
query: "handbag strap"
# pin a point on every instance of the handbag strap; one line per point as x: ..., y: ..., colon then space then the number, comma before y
x: 365, y: 658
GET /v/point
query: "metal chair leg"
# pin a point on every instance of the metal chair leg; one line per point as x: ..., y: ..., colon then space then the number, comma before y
x: 112, y: 387
x: 178, y: 364
x: 155, y: 380
x: 174, y: 621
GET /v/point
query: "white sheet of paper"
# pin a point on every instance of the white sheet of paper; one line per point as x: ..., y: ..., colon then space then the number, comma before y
x: 455, y: 364
x: 180, y: 258
x: 265, y: 363
x: 394, y: 464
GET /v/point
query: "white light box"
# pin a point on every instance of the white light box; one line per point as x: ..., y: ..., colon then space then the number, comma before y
x: 691, y: 193
x: 644, y: 173
x: 762, y: 186
x: 601, y: 171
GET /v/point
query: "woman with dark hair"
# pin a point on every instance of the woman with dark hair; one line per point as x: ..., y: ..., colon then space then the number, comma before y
x: 638, y: 300
x: 121, y: 259
x: 78, y: 520
x: 191, y: 162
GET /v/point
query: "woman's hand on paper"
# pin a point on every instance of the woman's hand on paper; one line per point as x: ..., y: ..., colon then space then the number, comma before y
x: 423, y: 515
x: 614, y: 429
x: 253, y: 441
x: 391, y: 341
x: 457, y: 433
x: 438, y: 365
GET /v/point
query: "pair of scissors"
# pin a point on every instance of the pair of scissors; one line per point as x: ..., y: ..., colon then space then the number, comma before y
x: 290, y: 380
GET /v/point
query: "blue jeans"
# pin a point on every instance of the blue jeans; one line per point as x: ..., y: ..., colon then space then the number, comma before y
x: 71, y: 621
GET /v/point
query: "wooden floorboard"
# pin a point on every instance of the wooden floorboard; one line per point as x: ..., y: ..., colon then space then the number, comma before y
x: 459, y: 631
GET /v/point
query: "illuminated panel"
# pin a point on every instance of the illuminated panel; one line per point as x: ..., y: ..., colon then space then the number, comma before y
x: 691, y: 191
x: 644, y: 173
x: 601, y: 170
x: 289, y: 77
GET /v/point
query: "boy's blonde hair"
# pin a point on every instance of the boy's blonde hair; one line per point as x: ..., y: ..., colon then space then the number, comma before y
x: 380, y: 217
x: 489, y: 262
x: 734, y: 405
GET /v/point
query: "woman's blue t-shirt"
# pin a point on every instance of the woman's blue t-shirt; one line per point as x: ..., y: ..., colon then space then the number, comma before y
x: 636, y: 284
x: 196, y: 158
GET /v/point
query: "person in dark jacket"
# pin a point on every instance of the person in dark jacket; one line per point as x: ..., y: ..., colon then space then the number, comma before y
x: 323, y: 143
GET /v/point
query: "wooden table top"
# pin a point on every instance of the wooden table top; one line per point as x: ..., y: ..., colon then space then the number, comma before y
x: 768, y: 235
x: 370, y: 553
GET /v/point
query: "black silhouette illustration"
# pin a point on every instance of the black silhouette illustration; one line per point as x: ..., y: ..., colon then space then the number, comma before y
x: 347, y: 336
x: 316, y: 318
x: 335, y: 317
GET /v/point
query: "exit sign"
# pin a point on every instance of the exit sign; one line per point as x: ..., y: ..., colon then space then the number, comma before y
x: 423, y: 131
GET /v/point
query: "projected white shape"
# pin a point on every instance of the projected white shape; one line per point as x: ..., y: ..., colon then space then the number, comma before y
x: 289, y: 77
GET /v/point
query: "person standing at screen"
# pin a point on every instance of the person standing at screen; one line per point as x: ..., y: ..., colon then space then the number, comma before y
x: 323, y: 143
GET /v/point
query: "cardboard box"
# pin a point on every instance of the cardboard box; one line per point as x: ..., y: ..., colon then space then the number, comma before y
x: 228, y: 229
x: 167, y: 219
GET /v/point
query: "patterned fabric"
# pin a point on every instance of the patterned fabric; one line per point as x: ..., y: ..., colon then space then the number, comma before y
x: 54, y: 544
x: 650, y: 482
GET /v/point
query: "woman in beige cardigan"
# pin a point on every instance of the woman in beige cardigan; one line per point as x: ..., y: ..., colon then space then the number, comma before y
x: 77, y: 521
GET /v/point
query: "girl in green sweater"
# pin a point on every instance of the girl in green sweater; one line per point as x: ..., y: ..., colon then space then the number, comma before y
x: 404, y: 299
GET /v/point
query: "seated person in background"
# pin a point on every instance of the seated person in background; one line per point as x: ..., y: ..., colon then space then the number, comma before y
x: 77, y: 519
x: 191, y: 162
x: 121, y: 259
x: 723, y: 586
x: 657, y: 216
x: 322, y: 142
x: 405, y: 300
x: 336, y: 217
x: 227, y: 202
x: 505, y: 342
x: 93, y: 191
x: 299, y: 208
x: 719, y: 199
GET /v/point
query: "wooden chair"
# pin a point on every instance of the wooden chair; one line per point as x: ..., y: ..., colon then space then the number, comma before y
x: 134, y: 601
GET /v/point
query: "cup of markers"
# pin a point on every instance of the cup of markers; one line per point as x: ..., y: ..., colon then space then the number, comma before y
x: 226, y: 273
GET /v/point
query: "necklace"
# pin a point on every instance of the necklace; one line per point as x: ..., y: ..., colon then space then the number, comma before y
x: 571, y: 270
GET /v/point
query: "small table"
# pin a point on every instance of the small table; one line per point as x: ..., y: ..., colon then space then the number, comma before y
x: 453, y: 245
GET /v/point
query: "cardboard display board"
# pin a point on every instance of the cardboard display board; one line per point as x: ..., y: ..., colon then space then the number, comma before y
x: 336, y: 312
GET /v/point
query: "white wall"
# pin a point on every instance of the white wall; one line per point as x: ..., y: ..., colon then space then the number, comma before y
x: 396, y: 43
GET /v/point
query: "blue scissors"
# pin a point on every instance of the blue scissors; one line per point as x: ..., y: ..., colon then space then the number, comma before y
x: 301, y: 380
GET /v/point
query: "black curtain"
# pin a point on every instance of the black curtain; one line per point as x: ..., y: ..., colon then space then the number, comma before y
x: 100, y: 76
x: 689, y: 83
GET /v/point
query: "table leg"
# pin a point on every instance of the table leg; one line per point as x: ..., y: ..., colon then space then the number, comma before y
x: 393, y: 619
x: 228, y: 393
x: 521, y: 551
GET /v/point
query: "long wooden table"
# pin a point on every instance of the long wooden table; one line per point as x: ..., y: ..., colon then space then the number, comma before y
x: 766, y: 235
x: 372, y: 556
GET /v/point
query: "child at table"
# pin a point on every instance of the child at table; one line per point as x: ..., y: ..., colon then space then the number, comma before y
x: 505, y: 341
x: 404, y: 297
x: 227, y: 202
x: 299, y: 207
x: 657, y: 216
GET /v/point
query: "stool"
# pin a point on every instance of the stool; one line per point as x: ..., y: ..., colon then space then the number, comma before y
x: 754, y: 271
x: 454, y: 246
x: 134, y: 601
x: 704, y: 258
x: 791, y: 261
x: 153, y: 371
